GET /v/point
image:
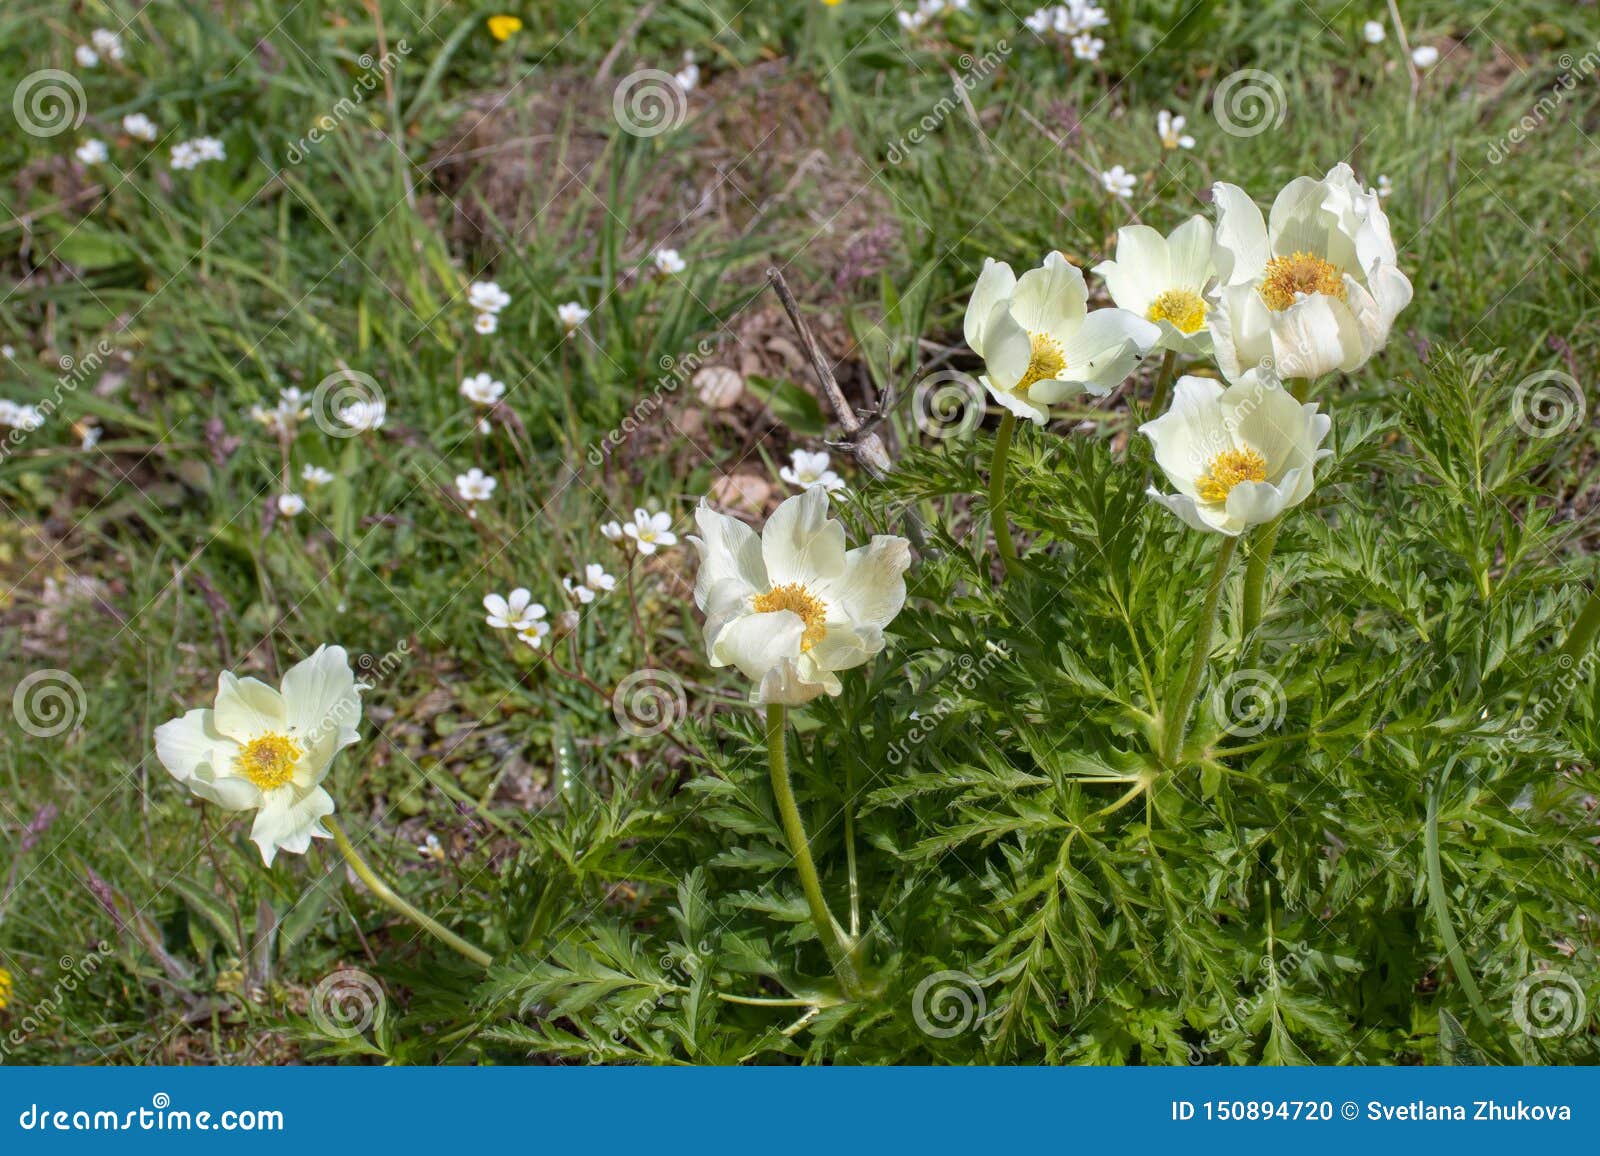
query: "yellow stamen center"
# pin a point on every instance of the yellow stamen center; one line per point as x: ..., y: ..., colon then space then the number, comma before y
x: 1300, y: 273
x: 1182, y: 307
x: 268, y: 761
x: 1046, y: 364
x: 798, y: 600
x: 1227, y: 470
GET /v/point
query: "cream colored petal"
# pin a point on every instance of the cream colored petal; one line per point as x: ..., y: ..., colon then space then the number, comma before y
x: 1254, y: 503
x: 728, y: 549
x: 321, y: 699
x: 995, y: 285
x: 784, y: 684
x: 1266, y: 417
x: 1297, y: 222
x: 800, y: 543
x: 1051, y: 299
x: 1106, y: 348
x: 1007, y: 349
x: 248, y: 708
x: 1316, y: 335
x: 845, y: 647
x: 1189, y: 255
x: 1141, y: 271
x: 1021, y: 406
x: 1190, y: 434
x: 1241, y: 330
x: 288, y: 821
x: 1188, y: 512
x: 1240, y: 249
x: 872, y: 589
x: 192, y: 741
x: 757, y: 642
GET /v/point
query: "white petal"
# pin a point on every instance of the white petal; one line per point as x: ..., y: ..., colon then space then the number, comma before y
x: 758, y: 642
x: 1254, y: 503
x: 784, y: 684
x: 1007, y: 349
x: 289, y: 823
x: 321, y: 698
x: 844, y: 648
x: 1189, y: 255
x: 995, y: 285
x: 1297, y: 222
x: 1051, y: 299
x: 248, y: 708
x: 1316, y: 335
x: 1021, y: 406
x: 800, y: 543
x: 872, y: 589
x: 728, y: 549
x: 1190, y: 433
x: 1187, y: 511
x: 1106, y: 348
x: 1240, y: 248
x: 201, y: 758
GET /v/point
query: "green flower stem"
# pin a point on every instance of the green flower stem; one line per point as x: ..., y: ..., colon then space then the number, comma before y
x: 389, y: 898
x: 1158, y: 398
x: 1583, y: 631
x: 795, y: 832
x: 1180, y: 694
x: 997, y: 492
x: 1255, y: 574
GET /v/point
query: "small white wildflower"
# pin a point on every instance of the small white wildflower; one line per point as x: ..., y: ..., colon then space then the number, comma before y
x: 688, y: 77
x: 1170, y: 129
x: 139, y: 126
x: 650, y: 532
x: 1087, y: 47
x: 107, y: 43
x: 534, y: 634
x: 1425, y: 56
x: 486, y: 323
x: 93, y: 152
x: 612, y: 531
x: 516, y: 611
x: 576, y: 592
x: 487, y: 296
x: 18, y: 416
x: 290, y: 504
x: 363, y: 416
x: 86, y: 56
x: 1373, y: 32
x: 315, y: 476
x: 1385, y: 185
x: 90, y: 436
x: 668, y: 262
x: 807, y: 469
x: 1118, y: 181
x: 191, y: 154
x: 9, y: 352
x: 430, y: 849
x: 475, y: 485
x: 571, y: 315
x: 481, y: 389
x: 596, y: 578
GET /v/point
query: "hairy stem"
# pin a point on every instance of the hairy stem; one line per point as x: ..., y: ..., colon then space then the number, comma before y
x: 795, y: 832
x: 1255, y: 574
x: 1179, y: 699
x: 997, y: 493
x: 1158, y: 398
x: 389, y: 898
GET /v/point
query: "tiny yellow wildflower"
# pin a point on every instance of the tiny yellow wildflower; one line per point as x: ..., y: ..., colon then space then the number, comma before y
x: 503, y: 28
x: 5, y: 987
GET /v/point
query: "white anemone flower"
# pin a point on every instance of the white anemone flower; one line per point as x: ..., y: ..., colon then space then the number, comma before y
x: 792, y: 607
x: 269, y: 750
x: 1425, y: 56
x: 107, y: 43
x: 516, y: 611
x: 811, y: 469
x: 1238, y: 456
x: 481, y: 389
x: 1312, y: 289
x: 612, y: 531
x: 1165, y: 280
x: 650, y: 532
x: 363, y: 416
x: 535, y: 633
x: 1040, y: 344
